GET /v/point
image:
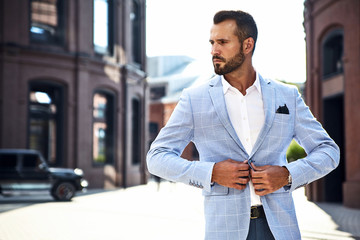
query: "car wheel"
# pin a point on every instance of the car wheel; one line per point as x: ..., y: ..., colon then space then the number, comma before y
x: 63, y: 191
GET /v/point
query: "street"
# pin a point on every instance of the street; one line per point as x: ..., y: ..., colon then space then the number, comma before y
x: 174, y: 211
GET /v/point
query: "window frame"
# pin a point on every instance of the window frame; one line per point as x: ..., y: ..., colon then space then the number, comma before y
x: 59, y: 38
x: 58, y: 91
x: 136, y: 130
x: 109, y: 49
x: 110, y: 120
x: 327, y: 71
x: 137, y: 34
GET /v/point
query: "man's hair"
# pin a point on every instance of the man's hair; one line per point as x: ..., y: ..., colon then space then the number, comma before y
x: 246, y: 26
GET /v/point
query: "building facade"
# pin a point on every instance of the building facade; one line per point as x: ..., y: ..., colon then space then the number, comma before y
x: 72, y: 85
x: 332, y: 91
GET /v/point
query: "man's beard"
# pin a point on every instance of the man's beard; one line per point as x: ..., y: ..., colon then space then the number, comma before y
x: 230, y: 65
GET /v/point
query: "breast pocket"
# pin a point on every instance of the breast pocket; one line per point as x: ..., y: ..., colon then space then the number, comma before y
x: 283, y: 125
x: 282, y: 118
x: 281, y: 132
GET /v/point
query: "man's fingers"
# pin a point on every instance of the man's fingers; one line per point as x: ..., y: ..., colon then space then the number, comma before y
x: 243, y: 180
x: 259, y: 168
x: 231, y: 173
x: 258, y: 186
x: 259, y: 172
x: 243, y: 173
x: 238, y: 186
x: 257, y: 180
x: 262, y: 192
x: 243, y: 166
x: 267, y: 179
x: 254, y: 167
x: 256, y: 174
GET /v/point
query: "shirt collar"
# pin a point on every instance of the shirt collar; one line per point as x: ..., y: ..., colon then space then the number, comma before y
x: 226, y: 84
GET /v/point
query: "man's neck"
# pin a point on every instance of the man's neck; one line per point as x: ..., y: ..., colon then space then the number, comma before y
x: 241, y: 79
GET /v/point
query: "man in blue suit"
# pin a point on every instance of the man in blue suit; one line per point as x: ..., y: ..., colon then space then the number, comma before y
x: 242, y: 125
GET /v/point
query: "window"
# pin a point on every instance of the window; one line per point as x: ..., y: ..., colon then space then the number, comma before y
x: 31, y: 161
x: 103, y: 127
x: 102, y: 31
x: 136, y: 130
x: 46, y: 120
x: 333, y: 53
x: 157, y: 93
x: 153, y: 131
x: 47, y: 21
x: 135, y: 17
x: 8, y: 161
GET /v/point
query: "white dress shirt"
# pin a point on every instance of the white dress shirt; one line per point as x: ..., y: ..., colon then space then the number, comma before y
x: 247, y: 116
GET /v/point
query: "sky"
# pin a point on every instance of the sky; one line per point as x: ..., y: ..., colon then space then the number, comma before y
x: 182, y: 27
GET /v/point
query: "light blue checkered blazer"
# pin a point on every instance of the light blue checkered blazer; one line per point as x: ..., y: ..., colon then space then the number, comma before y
x: 201, y: 117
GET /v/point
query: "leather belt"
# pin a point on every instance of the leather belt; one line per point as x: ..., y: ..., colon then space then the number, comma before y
x: 257, y: 212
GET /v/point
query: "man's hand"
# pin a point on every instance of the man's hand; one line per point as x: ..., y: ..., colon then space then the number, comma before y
x: 231, y: 173
x: 268, y: 179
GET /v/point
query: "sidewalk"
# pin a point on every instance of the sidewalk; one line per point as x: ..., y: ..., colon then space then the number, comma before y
x: 326, y: 220
x: 168, y: 211
x: 316, y: 220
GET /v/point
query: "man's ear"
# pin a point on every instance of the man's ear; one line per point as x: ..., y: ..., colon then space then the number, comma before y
x: 248, y: 45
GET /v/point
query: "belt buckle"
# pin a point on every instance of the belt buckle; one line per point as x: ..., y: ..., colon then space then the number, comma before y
x: 251, y: 212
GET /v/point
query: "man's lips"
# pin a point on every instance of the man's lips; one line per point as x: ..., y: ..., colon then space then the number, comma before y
x: 218, y: 59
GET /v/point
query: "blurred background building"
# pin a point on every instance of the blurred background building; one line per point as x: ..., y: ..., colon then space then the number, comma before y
x: 167, y: 77
x: 72, y: 85
x: 332, y: 91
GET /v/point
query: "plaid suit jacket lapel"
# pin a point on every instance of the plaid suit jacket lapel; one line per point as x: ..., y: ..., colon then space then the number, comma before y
x: 268, y: 95
x: 218, y: 100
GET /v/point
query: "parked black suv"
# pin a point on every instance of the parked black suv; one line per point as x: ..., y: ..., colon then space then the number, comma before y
x: 24, y: 169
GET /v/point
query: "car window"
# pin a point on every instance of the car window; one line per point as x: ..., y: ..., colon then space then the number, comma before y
x: 31, y: 161
x: 8, y: 161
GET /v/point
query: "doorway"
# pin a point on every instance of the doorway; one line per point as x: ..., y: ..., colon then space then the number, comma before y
x: 46, y: 120
x: 334, y: 125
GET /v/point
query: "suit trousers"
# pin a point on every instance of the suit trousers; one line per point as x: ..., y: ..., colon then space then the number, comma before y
x: 259, y: 230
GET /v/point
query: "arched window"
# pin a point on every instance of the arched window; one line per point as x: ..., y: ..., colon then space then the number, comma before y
x: 103, y: 127
x: 332, y: 49
x: 46, y: 120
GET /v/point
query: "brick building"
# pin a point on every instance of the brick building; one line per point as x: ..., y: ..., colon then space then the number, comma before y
x: 332, y: 91
x: 72, y: 85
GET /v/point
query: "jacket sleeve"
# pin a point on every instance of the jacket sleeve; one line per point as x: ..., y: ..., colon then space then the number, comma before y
x: 322, y: 152
x: 163, y: 158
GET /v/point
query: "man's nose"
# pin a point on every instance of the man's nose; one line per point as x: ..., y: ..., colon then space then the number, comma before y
x: 215, y: 50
